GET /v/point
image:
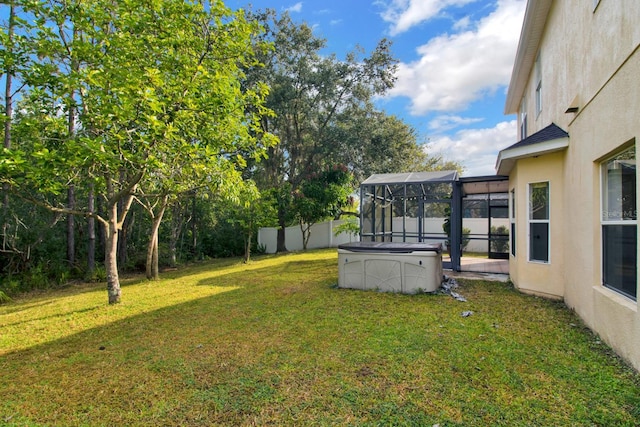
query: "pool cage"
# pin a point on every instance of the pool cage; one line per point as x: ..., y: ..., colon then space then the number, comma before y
x: 412, y: 207
x: 427, y: 207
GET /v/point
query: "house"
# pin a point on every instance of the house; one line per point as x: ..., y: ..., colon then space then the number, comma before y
x: 575, y: 89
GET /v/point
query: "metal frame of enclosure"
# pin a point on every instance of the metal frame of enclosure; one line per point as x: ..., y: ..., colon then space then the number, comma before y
x: 423, y: 207
x: 492, y: 194
x: 410, y: 207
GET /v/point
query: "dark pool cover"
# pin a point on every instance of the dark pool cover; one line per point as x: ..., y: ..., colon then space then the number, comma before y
x: 391, y: 247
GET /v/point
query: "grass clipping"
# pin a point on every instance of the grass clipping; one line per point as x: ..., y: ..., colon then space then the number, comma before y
x: 275, y: 342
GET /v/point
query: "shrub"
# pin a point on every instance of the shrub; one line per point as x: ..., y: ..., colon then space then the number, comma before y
x: 499, y: 245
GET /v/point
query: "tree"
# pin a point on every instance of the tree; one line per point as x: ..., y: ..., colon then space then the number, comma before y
x: 13, y: 60
x: 370, y: 141
x: 321, y: 196
x: 158, y: 85
x: 252, y: 211
x: 309, y: 91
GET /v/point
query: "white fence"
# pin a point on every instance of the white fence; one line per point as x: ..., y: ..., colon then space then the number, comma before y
x: 322, y: 236
x: 479, y: 227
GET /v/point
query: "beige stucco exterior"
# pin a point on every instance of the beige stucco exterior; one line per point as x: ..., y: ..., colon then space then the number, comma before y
x: 589, y: 59
x: 545, y: 279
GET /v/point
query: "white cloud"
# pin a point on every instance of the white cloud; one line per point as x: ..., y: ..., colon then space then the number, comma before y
x: 404, y: 14
x: 455, y: 70
x: 476, y: 149
x: 447, y: 122
x: 295, y: 8
x: 462, y: 24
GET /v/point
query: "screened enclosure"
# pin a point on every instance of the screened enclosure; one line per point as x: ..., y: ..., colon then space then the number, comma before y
x: 408, y: 207
x: 467, y: 216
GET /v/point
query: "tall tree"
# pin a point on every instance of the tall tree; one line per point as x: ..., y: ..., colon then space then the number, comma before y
x: 13, y: 57
x: 308, y: 92
x: 159, y: 81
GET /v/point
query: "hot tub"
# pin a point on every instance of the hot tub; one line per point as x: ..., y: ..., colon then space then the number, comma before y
x: 390, y: 267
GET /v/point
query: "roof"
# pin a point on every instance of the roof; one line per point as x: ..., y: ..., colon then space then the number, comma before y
x: 548, y: 140
x: 411, y: 178
x: 535, y: 17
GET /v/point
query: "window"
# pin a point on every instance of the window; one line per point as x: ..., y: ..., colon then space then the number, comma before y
x: 619, y: 223
x: 539, y: 222
x: 538, y: 86
x: 523, y: 119
x: 512, y: 220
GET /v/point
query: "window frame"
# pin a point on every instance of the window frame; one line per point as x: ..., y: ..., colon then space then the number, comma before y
x: 512, y: 221
x: 523, y: 118
x: 606, y: 224
x: 531, y: 221
x: 538, y: 68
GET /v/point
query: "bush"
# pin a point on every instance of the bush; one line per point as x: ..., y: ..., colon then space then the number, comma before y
x: 499, y: 245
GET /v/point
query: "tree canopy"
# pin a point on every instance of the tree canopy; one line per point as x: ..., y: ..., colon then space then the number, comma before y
x: 158, y: 94
x: 182, y: 120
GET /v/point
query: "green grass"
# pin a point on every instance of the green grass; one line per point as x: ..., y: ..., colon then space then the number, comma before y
x: 276, y: 343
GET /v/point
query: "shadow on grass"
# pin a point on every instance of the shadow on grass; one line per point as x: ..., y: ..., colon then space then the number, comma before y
x: 277, y: 344
x: 74, y: 379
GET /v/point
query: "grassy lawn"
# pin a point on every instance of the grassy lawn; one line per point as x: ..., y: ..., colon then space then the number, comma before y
x: 276, y: 343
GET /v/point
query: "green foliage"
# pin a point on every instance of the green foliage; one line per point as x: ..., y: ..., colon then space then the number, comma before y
x: 229, y: 228
x: 99, y: 275
x: 251, y: 211
x: 313, y: 96
x: 260, y: 249
x: 134, y: 98
x: 351, y: 226
x: 323, y: 194
x: 500, y: 245
x: 4, y: 298
x: 446, y: 227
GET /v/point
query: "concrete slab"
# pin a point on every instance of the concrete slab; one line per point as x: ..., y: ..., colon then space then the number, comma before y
x: 474, y: 275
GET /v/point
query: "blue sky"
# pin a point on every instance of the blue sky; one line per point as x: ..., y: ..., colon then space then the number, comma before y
x: 455, y: 59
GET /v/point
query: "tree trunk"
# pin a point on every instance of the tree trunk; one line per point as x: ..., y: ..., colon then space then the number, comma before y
x: 152, y: 269
x: 91, y: 232
x: 152, y: 257
x: 305, y: 229
x: 282, y: 223
x: 8, y: 72
x: 123, y: 238
x: 8, y: 108
x: 102, y: 231
x: 247, y: 248
x: 112, y: 227
x: 71, y: 225
x: 176, y: 226
x: 194, y: 227
x: 155, y: 269
x: 111, y: 256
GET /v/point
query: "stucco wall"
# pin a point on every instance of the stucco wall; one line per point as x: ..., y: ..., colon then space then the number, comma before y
x: 615, y: 111
x: 579, y: 51
x: 535, y: 277
x: 591, y: 56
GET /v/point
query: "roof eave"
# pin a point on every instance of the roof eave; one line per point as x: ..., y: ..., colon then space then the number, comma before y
x: 507, y: 158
